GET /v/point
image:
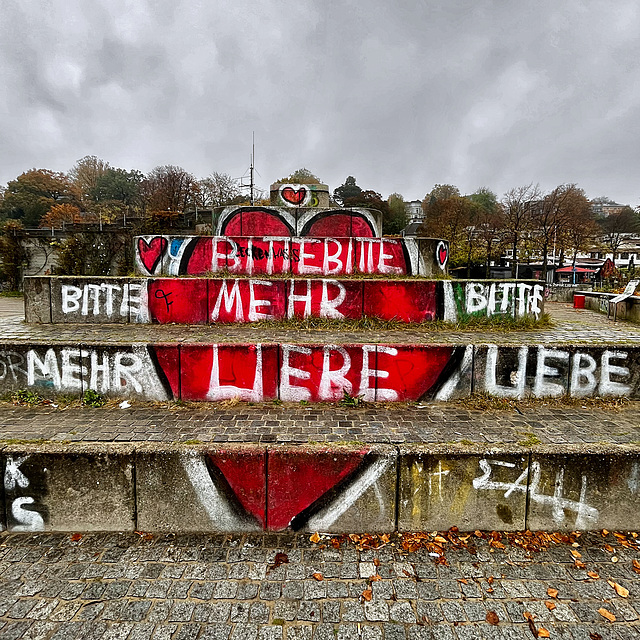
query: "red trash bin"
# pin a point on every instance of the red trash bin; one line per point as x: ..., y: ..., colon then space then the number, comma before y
x: 578, y: 301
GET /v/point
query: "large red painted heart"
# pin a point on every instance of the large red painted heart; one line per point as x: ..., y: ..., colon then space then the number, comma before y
x: 296, y: 480
x: 442, y: 254
x: 151, y: 252
x: 294, y: 196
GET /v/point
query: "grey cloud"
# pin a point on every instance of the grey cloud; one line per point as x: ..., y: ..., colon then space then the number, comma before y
x: 402, y: 95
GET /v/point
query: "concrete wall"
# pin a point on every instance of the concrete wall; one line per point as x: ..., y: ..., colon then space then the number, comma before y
x: 244, y: 488
x: 214, y: 300
x: 302, y: 256
x: 321, y: 372
x: 285, y: 194
x: 628, y: 309
x: 301, y: 221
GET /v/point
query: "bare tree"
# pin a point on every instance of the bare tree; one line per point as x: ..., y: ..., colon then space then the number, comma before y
x: 217, y: 190
x: 516, y: 214
x: 168, y: 190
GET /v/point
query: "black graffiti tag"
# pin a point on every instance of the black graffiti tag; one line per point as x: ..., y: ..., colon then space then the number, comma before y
x: 165, y: 296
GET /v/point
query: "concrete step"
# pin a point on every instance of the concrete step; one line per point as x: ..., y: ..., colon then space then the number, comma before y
x: 182, y: 488
x: 271, y: 254
x: 239, y: 300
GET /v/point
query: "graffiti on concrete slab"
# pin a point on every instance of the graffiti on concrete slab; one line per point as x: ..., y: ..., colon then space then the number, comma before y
x: 293, y: 219
x: 297, y: 489
x: 586, y: 516
x: 22, y: 513
x: 539, y: 371
x: 105, y: 299
x: 516, y: 299
x: 273, y: 255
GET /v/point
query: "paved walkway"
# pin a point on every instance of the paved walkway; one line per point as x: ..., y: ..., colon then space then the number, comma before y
x: 141, y: 587
x: 570, y: 326
x: 536, y: 423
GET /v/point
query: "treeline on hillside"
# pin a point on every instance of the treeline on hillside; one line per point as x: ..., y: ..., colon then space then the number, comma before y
x: 480, y: 227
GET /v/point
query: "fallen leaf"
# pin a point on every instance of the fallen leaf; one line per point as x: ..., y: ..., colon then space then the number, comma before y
x: 619, y: 589
x: 550, y: 605
x: 75, y: 537
x: 490, y: 579
x: 593, y: 574
x: 605, y: 533
x: 376, y: 562
x: 315, y: 538
x: 636, y: 566
x: 527, y: 615
x: 552, y: 593
x: 280, y: 559
x: 463, y: 580
x: 607, y: 614
x: 608, y: 548
x: 579, y: 564
x: 375, y: 578
x: 492, y: 618
x: 543, y: 633
x: 575, y: 554
x: 367, y: 594
x: 595, y: 636
x: 318, y: 576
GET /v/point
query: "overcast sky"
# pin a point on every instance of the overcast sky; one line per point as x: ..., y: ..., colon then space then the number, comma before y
x: 400, y: 94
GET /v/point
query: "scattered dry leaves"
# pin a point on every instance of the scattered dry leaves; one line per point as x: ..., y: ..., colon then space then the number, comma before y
x: 619, y: 589
x: 607, y: 614
x: 492, y: 618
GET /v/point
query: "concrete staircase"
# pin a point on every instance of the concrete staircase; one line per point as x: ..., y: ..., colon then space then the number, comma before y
x: 213, y: 319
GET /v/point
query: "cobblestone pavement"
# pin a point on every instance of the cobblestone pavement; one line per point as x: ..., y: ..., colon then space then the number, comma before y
x: 134, y: 587
x: 569, y: 326
x: 544, y: 423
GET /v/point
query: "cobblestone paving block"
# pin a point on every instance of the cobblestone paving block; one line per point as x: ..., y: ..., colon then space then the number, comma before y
x: 468, y: 491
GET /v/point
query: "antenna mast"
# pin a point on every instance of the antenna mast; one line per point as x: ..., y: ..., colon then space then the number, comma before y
x: 253, y: 155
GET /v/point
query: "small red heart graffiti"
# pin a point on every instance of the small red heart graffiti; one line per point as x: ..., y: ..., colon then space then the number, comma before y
x: 151, y: 252
x: 294, y: 196
x: 442, y: 254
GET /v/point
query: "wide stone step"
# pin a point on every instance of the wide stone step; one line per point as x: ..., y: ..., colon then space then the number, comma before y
x: 317, y: 372
x: 365, y: 488
x: 237, y: 300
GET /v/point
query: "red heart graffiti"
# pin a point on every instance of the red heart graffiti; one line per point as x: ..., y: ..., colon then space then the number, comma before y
x: 151, y: 252
x: 442, y: 254
x: 294, y: 196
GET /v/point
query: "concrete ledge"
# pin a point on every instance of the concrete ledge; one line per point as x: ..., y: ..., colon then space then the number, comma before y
x: 166, y: 300
x: 337, y: 489
x: 69, y: 488
x: 320, y: 373
x: 628, y: 309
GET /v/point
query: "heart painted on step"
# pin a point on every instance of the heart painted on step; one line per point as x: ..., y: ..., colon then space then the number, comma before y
x: 151, y: 252
x: 294, y: 196
x: 442, y: 253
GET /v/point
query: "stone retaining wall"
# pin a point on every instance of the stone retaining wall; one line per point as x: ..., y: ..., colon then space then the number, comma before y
x: 628, y: 309
x: 236, y: 489
x: 320, y: 372
x: 214, y: 300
